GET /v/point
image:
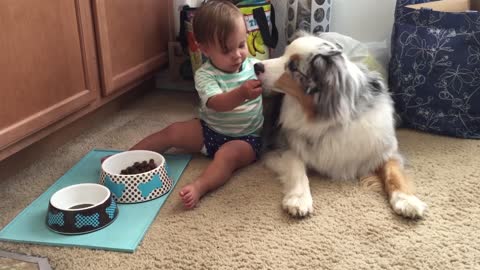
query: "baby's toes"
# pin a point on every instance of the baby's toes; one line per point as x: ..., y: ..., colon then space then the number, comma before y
x: 184, y: 192
x: 190, y: 203
x: 187, y: 198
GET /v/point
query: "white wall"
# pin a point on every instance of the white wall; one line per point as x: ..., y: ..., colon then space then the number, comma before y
x: 364, y: 20
x: 369, y: 21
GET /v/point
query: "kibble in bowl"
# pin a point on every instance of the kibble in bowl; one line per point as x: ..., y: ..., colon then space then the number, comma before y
x: 140, y: 167
x: 135, y: 176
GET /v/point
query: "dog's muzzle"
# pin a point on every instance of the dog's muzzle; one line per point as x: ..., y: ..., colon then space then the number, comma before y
x: 258, y: 68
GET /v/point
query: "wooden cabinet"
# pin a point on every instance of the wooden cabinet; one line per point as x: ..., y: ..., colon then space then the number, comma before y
x: 47, y: 64
x: 132, y: 38
x: 61, y: 59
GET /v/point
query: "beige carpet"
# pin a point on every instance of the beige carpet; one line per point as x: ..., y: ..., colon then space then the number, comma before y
x: 242, y: 226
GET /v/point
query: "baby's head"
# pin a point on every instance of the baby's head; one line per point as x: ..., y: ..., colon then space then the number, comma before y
x: 220, y: 32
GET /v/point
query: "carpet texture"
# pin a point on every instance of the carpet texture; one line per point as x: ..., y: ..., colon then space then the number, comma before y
x: 242, y: 225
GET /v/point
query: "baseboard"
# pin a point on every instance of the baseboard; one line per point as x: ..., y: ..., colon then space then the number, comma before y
x: 163, y: 81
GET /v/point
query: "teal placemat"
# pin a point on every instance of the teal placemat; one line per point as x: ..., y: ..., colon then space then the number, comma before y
x: 124, y: 234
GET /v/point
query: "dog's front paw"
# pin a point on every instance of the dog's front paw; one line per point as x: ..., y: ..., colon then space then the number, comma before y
x: 407, y: 205
x: 298, y: 205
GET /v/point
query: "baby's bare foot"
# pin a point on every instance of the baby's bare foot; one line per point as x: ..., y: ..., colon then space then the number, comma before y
x: 190, y: 195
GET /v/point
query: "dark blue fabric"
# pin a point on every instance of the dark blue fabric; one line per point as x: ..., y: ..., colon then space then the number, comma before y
x: 213, y: 140
x: 434, y: 71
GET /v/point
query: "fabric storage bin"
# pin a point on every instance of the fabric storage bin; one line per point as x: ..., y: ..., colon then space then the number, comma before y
x: 434, y: 71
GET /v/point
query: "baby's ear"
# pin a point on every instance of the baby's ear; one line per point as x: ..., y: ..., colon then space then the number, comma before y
x: 204, y: 49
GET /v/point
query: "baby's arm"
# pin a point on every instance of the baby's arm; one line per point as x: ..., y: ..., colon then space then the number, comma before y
x: 225, y: 102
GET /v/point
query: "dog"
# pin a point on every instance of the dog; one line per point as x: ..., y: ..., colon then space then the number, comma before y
x: 336, y: 118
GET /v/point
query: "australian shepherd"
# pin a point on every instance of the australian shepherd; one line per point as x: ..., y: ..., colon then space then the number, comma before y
x: 336, y: 118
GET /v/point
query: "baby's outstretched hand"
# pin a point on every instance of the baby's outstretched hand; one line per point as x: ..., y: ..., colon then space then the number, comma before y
x: 251, y: 89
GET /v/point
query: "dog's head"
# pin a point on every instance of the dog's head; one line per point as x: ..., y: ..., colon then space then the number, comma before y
x: 316, y: 73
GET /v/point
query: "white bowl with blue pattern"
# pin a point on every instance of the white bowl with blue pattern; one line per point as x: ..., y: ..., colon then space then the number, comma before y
x: 81, y: 208
x: 135, y: 188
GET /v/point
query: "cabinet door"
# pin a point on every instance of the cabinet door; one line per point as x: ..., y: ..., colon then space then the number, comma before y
x: 132, y: 39
x: 47, y: 64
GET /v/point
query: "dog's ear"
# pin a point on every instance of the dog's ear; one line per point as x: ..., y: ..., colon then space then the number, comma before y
x: 298, y: 34
x: 326, y: 35
x: 329, y: 49
x: 326, y: 74
x: 326, y: 66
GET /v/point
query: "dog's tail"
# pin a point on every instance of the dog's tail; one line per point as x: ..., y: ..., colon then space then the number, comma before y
x: 372, y: 182
x: 375, y: 182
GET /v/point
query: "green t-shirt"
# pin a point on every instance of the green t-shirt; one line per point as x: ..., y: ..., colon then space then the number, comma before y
x: 247, y: 118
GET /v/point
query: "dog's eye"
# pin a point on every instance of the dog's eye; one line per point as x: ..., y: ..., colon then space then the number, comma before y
x: 292, y: 66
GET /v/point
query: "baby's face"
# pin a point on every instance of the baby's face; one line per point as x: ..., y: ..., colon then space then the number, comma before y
x: 230, y: 60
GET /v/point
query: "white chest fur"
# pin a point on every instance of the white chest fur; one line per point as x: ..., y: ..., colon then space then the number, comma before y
x: 346, y: 151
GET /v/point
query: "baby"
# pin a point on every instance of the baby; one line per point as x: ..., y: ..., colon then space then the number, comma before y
x: 230, y: 115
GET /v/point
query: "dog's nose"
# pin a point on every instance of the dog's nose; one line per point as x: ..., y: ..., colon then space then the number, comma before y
x: 259, y: 68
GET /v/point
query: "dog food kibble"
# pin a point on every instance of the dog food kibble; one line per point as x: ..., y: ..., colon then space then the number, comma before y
x: 140, y: 167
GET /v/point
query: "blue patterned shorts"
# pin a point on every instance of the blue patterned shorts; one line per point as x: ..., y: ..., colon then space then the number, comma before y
x: 213, y: 140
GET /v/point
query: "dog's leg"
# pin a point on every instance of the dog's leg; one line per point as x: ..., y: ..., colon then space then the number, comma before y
x: 399, y: 191
x: 297, y: 200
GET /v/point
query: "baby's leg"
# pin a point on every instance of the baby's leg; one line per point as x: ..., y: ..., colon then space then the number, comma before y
x: 231, y: 156
x: 184, y: 135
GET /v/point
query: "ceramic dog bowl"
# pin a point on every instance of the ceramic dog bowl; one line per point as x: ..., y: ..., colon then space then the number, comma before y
x: 81, y: 208
x: 135, y: 188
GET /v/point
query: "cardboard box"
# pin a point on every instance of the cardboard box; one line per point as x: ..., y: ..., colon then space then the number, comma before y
x: 450, y: 5
x: 475, y: 4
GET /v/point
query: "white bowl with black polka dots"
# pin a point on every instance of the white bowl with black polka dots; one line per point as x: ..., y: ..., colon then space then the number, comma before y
x: 135, y: 188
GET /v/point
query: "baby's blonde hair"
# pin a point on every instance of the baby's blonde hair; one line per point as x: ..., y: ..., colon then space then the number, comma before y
x: 214, y: 21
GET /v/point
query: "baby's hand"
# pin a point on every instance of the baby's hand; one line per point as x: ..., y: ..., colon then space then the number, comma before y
x: 251, y: 89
